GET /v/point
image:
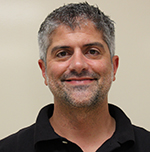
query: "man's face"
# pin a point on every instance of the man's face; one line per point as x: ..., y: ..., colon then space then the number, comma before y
x: 79, y: 70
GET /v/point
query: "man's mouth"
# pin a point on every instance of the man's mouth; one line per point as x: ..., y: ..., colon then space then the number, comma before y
x: 79, y: 81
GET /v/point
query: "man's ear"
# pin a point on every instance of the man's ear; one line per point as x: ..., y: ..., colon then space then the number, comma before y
x: 43, y: 69
x: 115, y: 61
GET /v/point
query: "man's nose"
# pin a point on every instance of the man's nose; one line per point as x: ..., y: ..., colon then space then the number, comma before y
x: 78, y: 62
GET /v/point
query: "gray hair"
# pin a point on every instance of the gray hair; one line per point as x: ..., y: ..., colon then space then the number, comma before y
x: 73, y: 15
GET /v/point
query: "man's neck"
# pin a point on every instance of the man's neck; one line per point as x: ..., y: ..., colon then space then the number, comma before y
x: 84, y: 127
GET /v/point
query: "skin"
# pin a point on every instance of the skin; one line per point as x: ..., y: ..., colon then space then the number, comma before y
x: 79, y: 73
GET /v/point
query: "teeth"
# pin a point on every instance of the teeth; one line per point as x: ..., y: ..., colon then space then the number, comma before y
x: 80, y: 80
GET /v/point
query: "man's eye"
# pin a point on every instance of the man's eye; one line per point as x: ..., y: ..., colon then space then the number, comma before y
x: 62, y: 54
x: 93, y: 52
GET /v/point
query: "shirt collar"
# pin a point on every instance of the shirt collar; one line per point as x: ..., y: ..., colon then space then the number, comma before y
x: 124, y: 130
x: 43, y: 129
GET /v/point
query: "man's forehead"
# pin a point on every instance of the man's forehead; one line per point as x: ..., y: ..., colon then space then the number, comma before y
x: 85, y: 34
x: 80, y: 27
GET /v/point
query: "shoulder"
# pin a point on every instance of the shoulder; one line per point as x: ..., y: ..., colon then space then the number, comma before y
x: 141, y: 133
x: 142, y: 138
x: 23, y: 138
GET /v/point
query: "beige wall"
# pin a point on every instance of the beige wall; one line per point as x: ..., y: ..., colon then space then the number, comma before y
x: 22, y: 91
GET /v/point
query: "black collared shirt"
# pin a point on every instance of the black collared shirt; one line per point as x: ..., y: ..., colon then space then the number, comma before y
x: 40, y: 137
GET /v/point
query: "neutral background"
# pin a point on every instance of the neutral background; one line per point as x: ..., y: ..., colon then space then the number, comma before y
x: 22, y: 89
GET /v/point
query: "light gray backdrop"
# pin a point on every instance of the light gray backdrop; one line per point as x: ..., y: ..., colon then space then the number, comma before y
x: 22, y: 89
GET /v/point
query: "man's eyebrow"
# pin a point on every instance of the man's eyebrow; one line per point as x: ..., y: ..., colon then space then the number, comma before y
x: 94, y: 44
x: 85, y: 45
x: 58, y: 47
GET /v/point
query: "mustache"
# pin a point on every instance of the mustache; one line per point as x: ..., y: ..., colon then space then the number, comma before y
x: 73, y: 74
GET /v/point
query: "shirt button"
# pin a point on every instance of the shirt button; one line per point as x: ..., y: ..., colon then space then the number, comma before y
x: 64, y: 142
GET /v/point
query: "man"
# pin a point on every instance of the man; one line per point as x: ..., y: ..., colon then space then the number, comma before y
x: 78, y: 64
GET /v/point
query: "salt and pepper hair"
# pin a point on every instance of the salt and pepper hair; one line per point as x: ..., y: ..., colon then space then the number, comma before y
x: 73, y: 15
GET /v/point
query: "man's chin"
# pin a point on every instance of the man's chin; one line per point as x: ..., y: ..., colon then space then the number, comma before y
x: 81, y: 99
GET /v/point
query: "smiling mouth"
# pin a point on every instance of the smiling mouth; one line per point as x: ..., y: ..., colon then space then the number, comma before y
x: 79, y: 81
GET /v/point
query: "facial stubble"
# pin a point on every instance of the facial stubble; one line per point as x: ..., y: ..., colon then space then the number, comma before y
x: 81, y: 96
